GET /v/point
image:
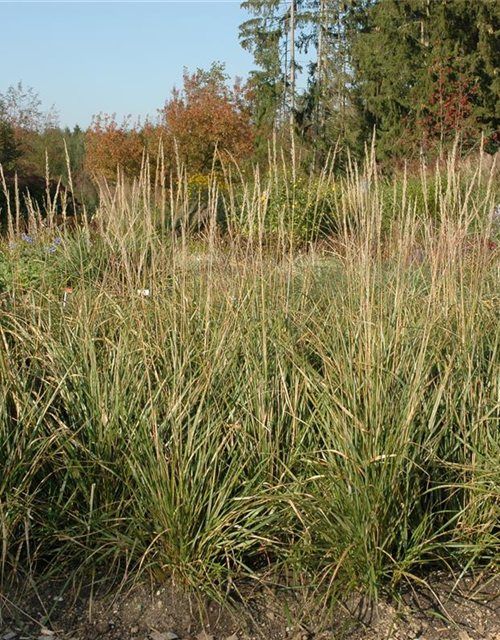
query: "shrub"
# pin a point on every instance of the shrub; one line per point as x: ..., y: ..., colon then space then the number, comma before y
x: 305, y: 210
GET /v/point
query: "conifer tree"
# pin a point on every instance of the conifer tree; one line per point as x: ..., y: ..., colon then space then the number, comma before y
x: 263, y: 35
x: 274, y: 34
x: 396, y: 47
x: 379, y: 65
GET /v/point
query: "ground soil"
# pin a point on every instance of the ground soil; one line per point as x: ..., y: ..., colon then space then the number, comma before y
x: 439, y: 609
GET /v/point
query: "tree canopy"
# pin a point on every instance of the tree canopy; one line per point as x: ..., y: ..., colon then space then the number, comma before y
x: 426, y: 67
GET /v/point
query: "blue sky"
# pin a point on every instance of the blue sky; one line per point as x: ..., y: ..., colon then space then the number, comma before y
x: 116, y: 56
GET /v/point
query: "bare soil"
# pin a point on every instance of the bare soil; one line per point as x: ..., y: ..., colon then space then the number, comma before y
x: 439, y: 609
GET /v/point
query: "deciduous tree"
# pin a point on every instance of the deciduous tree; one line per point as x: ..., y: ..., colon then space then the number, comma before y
x: 110, y: 145
x: 207, y: 116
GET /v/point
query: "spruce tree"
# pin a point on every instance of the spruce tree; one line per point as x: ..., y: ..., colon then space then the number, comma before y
x: 262, y: 35
x: 402, y: 50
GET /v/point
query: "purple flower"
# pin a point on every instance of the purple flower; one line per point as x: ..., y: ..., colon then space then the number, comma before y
x: 53, y: 246
x: 27, y: 238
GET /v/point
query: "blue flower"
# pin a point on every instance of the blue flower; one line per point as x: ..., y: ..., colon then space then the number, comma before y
x: 27, y: 238
x: 56, y: 241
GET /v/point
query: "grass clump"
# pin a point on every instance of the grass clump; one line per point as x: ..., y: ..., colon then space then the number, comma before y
x: 332, y: 412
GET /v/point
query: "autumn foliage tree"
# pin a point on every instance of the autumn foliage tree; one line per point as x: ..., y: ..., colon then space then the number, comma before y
x: 109, y: 145
x: 207, y: 116
x: 449, y: 113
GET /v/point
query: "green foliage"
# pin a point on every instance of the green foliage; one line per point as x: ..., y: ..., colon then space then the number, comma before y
x: 262, y: 35
x: 305, y: 209
x: 49, y: 262
x: 23, y: 263
x: 406, y: 68
x: 23, y: 126
x: 394, y: 46
x: 10, y: 150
